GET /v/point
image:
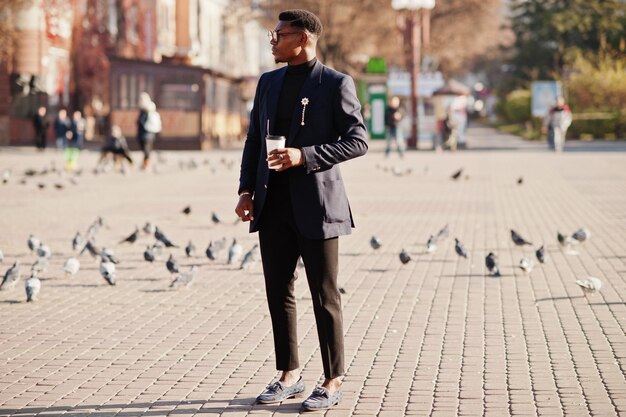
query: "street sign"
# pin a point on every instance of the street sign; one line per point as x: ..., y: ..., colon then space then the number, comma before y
x: 544, y: 95
x: 399, y: 83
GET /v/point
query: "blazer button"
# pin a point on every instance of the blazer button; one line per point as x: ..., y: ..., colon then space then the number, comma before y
x: 265, y: 186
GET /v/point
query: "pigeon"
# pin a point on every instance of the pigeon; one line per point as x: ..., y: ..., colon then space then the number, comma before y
x: 492, y: 265
x: 234, y: 252
x: 590, y: 285
x: 77, y: 241
x: 520, y: 181
x: 160, y: 236
x: 11, y: 276
x: 132, y: 238
x: 215, y: 218
x: 40, y: 265
x: 172, y: 265
x: 43, y: 251
x: 148, y: 228
x: 209, y: 251
x: 541, y: 254
x: 443, y: 233
x: 6, y: 174
x: 158, y: 248
x: 405, y: 258
x: 107, y: 270
x: 251, y: 258
x: 431, y: 245
x: 518, y: 240
x: 526, y: 265
x: 459, y: 248
x: 342, y: 290
x: 219, y: 246
x: 565, y: 241
x: 59, y: 186
x: 1, y: 256
x: 94, y: 227
x: 190, y: 249
x: 41, y: 185
x: 148, y: 254
x: 187, y: 210
x: 91, y: 248
x: 71, y: 267
x: 33, y: 243
x: 457, y: 174
x: 184, y: 278
x: 375, y: 243
x: 32, y: 287
x: 581, y: 235
x: 109, y: 255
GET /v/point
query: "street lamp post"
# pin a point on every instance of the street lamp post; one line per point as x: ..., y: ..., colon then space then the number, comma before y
x: 413, y: 36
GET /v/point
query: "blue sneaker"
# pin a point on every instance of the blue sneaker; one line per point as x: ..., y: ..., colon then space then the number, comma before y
x: 277, y: 392
x: 321, y: 399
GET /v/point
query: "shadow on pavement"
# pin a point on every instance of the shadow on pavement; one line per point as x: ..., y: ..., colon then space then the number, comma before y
x: 559, y: 298
x: 162, y: 408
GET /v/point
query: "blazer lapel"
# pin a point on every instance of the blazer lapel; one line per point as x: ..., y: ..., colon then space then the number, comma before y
x: 309, y: 90
x: 271, y: 103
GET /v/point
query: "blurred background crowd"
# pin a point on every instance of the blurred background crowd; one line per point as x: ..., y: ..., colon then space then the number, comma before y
x: 448, y: 62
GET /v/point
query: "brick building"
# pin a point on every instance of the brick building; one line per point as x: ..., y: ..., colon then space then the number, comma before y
x: 196, y: 59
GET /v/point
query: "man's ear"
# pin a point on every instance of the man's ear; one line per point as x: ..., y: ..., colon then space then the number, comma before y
x: 305, y: 39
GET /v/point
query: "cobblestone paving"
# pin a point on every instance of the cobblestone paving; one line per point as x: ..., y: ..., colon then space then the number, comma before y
x: 435, y: 337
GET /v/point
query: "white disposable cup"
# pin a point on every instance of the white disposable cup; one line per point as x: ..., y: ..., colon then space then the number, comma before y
x: 274, y: 142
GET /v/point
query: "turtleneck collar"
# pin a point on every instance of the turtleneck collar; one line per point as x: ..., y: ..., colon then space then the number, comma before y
x: 301, y: 68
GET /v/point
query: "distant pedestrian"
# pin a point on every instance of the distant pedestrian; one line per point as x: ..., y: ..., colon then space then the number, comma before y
x: 556, y: 123
x: 393, y: 116
x: 62, y: 127
x: 148, y: 125
x: 75, y: 141
x: 40, y: 123
x: 117, y: 147
x: 451, y: 129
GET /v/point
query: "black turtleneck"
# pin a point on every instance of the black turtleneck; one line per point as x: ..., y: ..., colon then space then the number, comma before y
x: 293, y: 81
x: 292, y: 84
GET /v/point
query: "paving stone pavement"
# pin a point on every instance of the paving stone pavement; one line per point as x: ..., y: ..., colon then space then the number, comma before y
x: 435, y: 337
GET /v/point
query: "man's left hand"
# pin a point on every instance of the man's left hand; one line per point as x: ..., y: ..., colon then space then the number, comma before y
x: 289, y: 157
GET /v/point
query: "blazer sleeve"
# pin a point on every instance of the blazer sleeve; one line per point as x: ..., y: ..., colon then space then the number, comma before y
x: 252, y: 146
x: 348, y: 122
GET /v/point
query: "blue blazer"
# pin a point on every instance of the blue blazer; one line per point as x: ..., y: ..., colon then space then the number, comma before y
x: 333, y: 132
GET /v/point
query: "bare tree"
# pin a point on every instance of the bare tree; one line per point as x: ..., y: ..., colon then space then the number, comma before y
x: 355, y: 29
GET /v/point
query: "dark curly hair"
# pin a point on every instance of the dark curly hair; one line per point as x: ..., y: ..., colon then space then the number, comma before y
x: 302, y: 19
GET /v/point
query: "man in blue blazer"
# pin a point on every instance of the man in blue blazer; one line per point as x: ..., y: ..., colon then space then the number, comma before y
x: 295, y: 197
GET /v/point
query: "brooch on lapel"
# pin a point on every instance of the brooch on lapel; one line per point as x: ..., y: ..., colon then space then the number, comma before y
x: 304, y: 102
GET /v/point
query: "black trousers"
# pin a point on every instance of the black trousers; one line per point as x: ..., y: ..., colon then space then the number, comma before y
x: 281, y: 245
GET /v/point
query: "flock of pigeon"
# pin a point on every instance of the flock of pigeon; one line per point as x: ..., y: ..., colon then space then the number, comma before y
x: 235, y: 252
x: 108, y: 261
x: 589, y: 285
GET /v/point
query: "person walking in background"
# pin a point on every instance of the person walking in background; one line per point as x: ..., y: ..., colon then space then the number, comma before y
x: 556, y: 123
x: 62, y: 127
x: 40, y: 123
x: 295, y: 197
x: 393, y: 116
x: 451, y: 129
x: 148, y: 125
x: 75, y: 141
